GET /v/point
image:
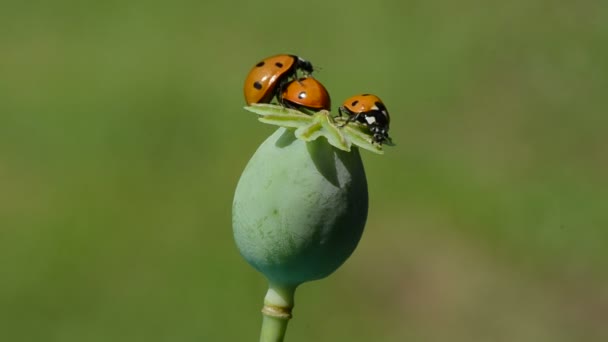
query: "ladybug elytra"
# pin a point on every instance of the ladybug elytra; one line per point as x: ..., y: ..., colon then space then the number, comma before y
x: 267, y: 77
x: 306, y: 93
x: 369, y: 110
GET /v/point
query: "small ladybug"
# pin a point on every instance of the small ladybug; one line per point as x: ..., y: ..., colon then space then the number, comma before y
x: 268, y: 77
x: 369, y: 110
x: 307, y: 93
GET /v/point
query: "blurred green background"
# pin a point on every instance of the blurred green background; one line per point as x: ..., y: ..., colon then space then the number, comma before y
x: 122, y: 137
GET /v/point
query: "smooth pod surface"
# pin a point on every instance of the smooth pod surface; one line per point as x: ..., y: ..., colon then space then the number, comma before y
x: 299, y: 208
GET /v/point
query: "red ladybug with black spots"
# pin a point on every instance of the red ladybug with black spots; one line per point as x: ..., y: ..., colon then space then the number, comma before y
x: 306, y: 93
x: 369, y: 110
x: 268, y: 77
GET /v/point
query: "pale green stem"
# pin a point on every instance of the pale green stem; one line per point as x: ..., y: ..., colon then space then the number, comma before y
x: 278, y: 303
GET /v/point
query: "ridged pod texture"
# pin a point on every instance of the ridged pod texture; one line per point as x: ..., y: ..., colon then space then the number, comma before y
x: 299, y: 208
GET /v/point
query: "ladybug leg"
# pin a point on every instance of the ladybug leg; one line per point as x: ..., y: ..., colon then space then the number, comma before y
x: 280, y: 98
x: 287, y: 104
x: 279, y: 94
x: 350, y: 119
x: 303, y: 74
x: 341, y: 113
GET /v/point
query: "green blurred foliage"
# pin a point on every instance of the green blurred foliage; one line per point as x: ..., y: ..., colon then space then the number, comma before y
x: 122, y: 137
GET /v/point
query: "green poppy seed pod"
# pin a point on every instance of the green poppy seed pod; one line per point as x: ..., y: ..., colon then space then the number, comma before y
x: 300, y: 208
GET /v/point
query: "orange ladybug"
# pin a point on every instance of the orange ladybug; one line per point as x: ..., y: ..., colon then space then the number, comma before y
x: 369, y: 110
x: 266, y: 78
x: 307, y: 93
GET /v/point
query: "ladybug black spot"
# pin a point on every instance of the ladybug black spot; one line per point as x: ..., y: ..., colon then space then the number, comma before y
x: 364, y: 94
x: 260, y: 64
x: 380, y: 105
x: 302, y: 95
x: 257, y: 85
x: 354, y: 103
x: 279, y: 64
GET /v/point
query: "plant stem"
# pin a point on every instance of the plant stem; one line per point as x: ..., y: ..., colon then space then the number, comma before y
x: 276, y: 312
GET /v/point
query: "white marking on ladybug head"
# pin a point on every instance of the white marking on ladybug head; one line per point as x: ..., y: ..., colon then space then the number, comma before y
x: 370, y: 119
x: 375, y: 107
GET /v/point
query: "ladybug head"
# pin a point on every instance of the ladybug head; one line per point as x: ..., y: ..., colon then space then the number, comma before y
x: 304, y: 65
x: 380, y: 134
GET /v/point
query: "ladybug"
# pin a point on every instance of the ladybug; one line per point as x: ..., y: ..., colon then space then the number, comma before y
x: 267, y: 78
x: 369, y: 110
x: 306, y: 93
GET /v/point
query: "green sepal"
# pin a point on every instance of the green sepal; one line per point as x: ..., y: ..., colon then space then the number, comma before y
x: 310, y: 127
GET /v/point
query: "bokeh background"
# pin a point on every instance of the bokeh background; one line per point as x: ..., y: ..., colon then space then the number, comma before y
x: 122, y: 137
